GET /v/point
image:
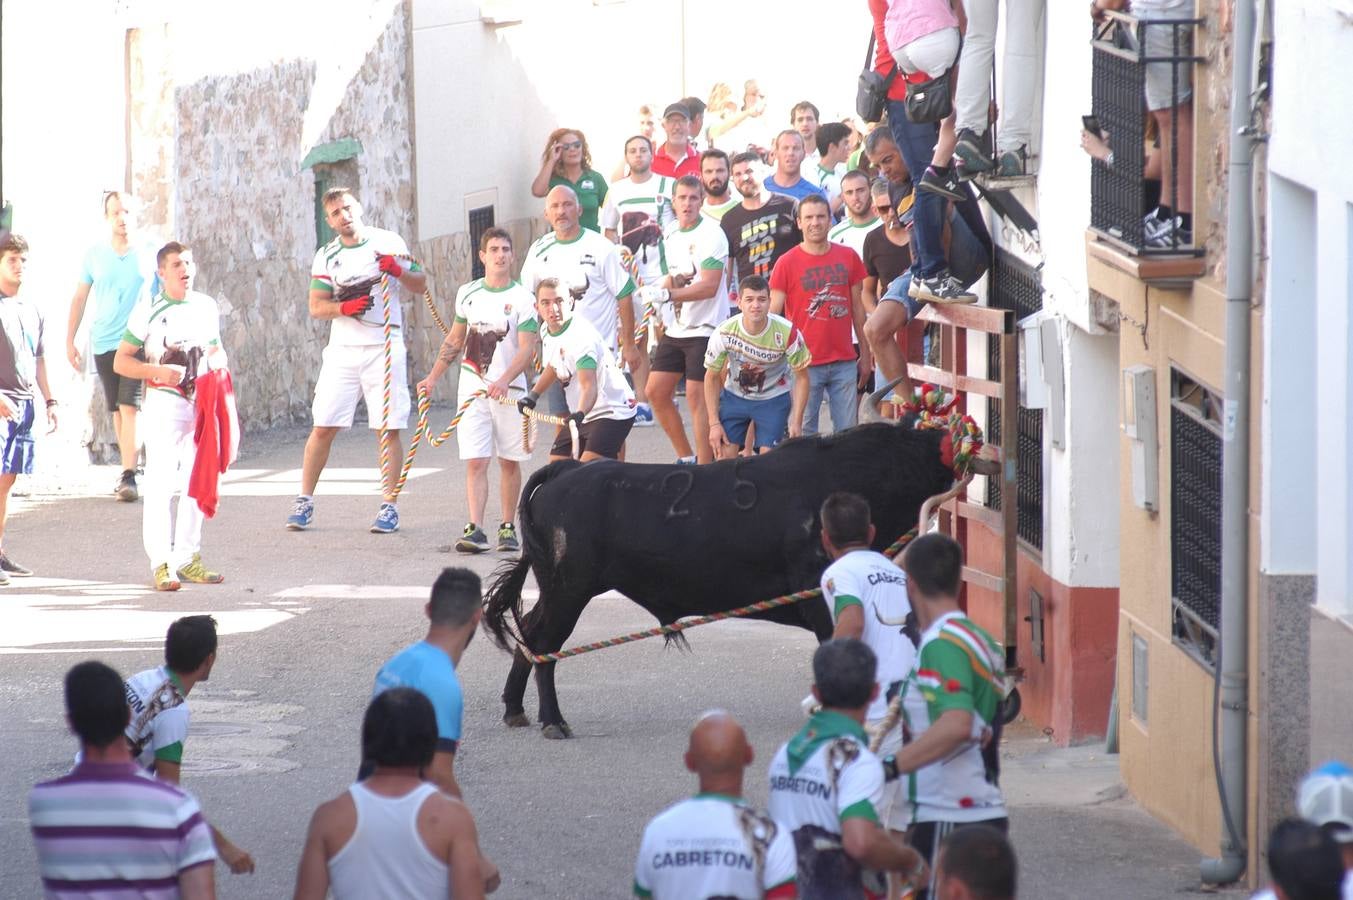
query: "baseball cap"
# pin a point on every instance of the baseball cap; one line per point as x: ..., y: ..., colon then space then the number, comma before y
x: 1325, y: 797
x: 676, y: 109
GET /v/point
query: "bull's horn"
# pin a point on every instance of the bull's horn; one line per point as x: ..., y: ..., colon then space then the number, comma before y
x: 869, y: 406
x: 980, y: 465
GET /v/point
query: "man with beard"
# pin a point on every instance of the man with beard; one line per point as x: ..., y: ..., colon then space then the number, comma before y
x: 860, y: 217
x: 345, y: 284
x: 714, y: 178
x: 637, y: 208
x: 761, y: 228
x: 714, y: 844
x: 695, y: 254
x: 495, y: 325
x: 817, y: 286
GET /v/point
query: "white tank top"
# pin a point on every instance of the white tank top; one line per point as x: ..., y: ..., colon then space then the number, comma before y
x: 386, y: 857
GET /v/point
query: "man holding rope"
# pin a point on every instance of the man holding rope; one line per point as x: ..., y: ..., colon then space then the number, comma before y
x: 495, y: 325
x: 353, y: 283
x: 600, y: 402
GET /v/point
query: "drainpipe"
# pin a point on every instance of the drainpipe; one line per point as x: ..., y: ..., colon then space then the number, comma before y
x: 1233, y: 666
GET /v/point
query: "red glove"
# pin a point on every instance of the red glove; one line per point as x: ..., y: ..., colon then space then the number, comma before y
x: 355, y: 306
x: 389, y: 265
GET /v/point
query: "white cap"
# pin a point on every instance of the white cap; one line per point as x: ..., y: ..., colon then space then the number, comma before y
x: 1325, y: 797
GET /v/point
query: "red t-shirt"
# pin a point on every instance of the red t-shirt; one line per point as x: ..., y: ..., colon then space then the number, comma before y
x: 663, y: 164
x: 817, y: 298
x: 883, y: 57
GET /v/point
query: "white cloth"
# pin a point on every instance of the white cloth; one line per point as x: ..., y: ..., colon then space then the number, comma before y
x: 707, y: 847
x: 852, y: 235
x: 386, y: 859
x: 492, y: 429
x: 158, y: 323
x: 347, y: 372
x: 170, y: 536
x: 591, y: 273
x: 870, y: 580
x: 933, y: 54
x: 338, y: 265
x: 691, y: 252
x: 579, y: 346
x: 1020, y: 69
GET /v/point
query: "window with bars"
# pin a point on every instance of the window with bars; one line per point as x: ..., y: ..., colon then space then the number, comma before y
x: 1019, y: 287
x: 481, y: 220
x: 1195, y: 515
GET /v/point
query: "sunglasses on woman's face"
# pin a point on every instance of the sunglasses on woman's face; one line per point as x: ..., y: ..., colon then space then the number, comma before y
x: 571, y: 145
x: 883, y: 210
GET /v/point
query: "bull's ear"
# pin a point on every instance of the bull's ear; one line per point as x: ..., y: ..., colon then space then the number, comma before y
x: 983, y: 466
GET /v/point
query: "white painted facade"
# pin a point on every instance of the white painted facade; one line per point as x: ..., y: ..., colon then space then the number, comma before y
x: 1080, y: 480
x: 486, y: 96
x: 1306, y: 475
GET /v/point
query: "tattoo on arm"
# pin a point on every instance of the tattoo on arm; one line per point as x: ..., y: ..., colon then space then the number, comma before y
x: 448, y: 352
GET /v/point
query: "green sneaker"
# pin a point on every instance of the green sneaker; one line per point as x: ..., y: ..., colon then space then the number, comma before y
x: 507, y: 538
x: 196, y: 573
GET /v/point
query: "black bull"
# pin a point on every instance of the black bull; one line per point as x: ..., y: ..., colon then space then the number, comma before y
x: 693, y: 540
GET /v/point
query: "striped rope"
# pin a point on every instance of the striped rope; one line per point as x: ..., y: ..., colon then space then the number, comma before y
x: 760, y: 606
x: 391, y: 491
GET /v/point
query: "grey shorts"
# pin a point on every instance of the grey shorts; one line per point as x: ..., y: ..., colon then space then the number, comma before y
x: 1159, y: 41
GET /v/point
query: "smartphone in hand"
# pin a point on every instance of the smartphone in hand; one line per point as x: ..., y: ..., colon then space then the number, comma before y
x: 1091, y: 124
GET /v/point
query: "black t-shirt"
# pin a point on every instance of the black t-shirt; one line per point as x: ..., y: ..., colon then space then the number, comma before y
x: 757, y: 238
x: 883, y: 259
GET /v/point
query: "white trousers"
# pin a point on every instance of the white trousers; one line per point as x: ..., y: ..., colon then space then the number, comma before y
x: 1019, y: 74
x: 167, y: 427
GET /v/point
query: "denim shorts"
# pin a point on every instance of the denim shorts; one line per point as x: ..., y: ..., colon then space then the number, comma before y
x: 16, y: 439
x: 771, y: 417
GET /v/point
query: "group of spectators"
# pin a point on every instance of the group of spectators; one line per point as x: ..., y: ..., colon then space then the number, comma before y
x: 890, y: 787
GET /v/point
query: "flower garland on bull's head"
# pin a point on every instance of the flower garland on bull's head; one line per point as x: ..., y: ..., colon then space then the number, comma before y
x: 964, y: 439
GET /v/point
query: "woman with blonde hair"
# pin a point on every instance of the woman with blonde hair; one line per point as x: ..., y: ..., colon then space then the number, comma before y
x: 568, y: 161
x: 727, y: 116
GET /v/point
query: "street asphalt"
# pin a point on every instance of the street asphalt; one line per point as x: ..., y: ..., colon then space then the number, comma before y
x: 306, y: 619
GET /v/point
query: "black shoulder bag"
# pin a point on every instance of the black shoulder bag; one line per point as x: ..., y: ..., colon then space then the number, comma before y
x: 871, y: 94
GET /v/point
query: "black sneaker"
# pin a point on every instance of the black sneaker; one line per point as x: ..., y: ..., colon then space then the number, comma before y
x: 10, y: 567
x: 972, y: 151
x: 126, y: 486
x: 944, y: 185
x: 507, y: 538
x: 473, y: 540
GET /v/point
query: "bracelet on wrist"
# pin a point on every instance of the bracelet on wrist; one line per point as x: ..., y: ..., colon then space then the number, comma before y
x: 51, y: 403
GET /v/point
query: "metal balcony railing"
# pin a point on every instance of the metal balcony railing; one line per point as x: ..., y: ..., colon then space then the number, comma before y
x: 1117, y: 192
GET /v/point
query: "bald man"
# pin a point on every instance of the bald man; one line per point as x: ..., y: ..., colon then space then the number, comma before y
x: 714, y: 844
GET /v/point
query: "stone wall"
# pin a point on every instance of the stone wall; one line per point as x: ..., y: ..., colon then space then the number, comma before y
x: 246, y: 206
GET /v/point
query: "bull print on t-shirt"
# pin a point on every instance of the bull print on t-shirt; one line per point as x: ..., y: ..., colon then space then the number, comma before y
x: 480, y: 344
x: 751, y: 379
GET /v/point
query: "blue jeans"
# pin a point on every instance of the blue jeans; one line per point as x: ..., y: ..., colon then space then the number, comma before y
x: 916, y: 141
x: 837, y: 381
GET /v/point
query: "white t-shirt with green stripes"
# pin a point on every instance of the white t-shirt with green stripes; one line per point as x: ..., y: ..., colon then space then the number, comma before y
x: 637, y: 214
x: 713, y: 845
x: 591, y: 275
x: 852, y: 235
x: 157, y: 323
x: 493, y: 318
x: 690, y: 251
x: 579, y: 346
x: 870, y: 580
x: 338, y: 265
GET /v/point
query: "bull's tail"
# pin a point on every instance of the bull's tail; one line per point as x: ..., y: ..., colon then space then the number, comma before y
x: 503, y: 598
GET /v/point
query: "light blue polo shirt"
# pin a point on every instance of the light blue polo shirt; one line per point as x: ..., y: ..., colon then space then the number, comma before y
x: 429, y: 670
x: 117, y: 282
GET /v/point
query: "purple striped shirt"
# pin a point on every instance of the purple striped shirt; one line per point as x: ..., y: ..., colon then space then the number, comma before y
x: 109, y: 830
